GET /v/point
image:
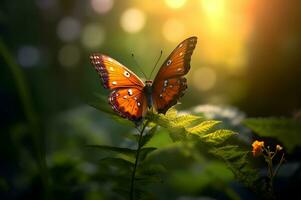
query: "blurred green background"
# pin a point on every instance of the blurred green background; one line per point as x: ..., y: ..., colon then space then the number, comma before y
x: 247, y: 56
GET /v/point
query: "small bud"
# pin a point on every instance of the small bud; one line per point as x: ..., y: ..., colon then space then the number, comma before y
x: 278, y: 147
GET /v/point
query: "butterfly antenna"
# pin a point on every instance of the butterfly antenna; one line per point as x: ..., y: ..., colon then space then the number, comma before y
x: 138, y: 66
x: 161, y: 52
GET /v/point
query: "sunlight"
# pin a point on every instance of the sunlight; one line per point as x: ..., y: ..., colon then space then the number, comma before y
x: 215, y: 12
x: 214, y: 8
x: 175, y: 4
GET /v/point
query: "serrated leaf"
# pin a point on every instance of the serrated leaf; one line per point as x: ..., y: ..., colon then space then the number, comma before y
x: 218, y: 136
x: 124, y: 151
x: 285, y: 130
x: 172, y: 112
x: 237, y: 161
x: 203, y: 127
x: 184, y: 120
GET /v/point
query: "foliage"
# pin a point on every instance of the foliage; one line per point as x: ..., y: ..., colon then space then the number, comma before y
x: 189, y: 135
x: 285, y: 130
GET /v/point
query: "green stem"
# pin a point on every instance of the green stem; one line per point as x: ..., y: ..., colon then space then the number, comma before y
x: 29, y: 112
x: 136, y: 160
x: 278, y: 166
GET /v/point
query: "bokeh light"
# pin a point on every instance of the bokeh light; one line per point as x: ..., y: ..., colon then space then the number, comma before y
x: 175, y: 4
x: 28, y: 56
x: 173, y: 30
x: 69, y: 55
x: 204, y: 78
x: 68, y: 29
x: 213, y: 8
x: 102, y: 6
x: 132, y: 20
x: 93, y: 35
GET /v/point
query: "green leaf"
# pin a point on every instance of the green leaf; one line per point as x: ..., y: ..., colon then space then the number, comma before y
x: 218, y: 136
x: 211, y: 174
x: 145, y: 151
x: 285, y: 130
x: 184, y: 120
x: 101, y: 103
x: 124, y: 151
x: 122, y: 163
x: 237, y: 161
x: 149, y: 135
x: 203, y: 127
x: 172, y: 120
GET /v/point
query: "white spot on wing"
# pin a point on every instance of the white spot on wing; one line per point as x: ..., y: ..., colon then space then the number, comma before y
x: 181, y: 45
x: 168, y: 62
x: 126, y: 74
x: 165, y: 83
x: 114, y: 83
x: 130, y: 92
x: 138, y: 104
x: 125, y: 97
x: 110, y: 59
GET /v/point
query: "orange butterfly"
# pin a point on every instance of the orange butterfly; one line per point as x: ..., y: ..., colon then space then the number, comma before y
x: 130, y: 97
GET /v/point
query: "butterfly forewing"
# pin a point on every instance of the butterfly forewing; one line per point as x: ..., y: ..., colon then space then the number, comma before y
x: 127, y: 97
x: 169, y: 84
x: 113, y: 74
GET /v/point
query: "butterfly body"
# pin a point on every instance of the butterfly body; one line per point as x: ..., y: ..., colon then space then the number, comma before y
x: 130, y: 97
x: 148, y: 90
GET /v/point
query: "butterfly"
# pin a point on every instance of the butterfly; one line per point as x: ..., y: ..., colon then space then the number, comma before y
x: 130, y: 97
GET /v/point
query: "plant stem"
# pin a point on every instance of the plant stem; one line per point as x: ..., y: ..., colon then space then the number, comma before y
x: 29, y: 112
x: 136, y: 160
x: 279, y: 164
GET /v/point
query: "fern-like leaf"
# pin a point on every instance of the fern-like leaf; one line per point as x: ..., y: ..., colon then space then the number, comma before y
x: 203, y: 127
x: 237, y: 162
x: 218, y: 137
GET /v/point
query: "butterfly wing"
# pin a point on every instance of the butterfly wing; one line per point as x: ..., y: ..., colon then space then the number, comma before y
x: 127, y: 97
x: 113, y: 74
x: 130, y: 103
x: 169, y: 84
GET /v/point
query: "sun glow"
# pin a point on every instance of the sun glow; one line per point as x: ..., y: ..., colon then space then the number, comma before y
x: 175, y: 4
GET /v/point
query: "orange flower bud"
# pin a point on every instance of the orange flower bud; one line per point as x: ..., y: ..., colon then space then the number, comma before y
x: 257, y: 147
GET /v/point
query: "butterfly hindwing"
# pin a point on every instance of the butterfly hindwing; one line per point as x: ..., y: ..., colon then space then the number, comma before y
x: 129, y: 103
x: 113, y: 74
x: 169, y: 84
x: 127, y: 97
x: 171, y: 90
